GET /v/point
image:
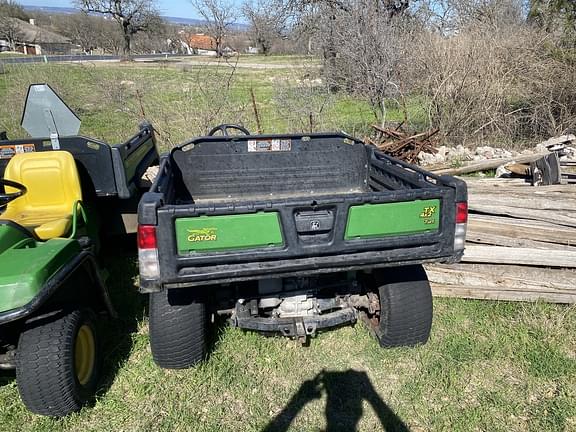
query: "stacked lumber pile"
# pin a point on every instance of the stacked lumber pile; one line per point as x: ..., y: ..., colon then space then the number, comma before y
x: 399, y: 144
x: 521, y: 244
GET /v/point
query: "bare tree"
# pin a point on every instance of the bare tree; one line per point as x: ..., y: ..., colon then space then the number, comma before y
x: 451, y: 16
x: 390, y: 7
x: 10, y: 31
x: 220, y: 16
x: 110, y: 38
x: 133, y: 16
x: 555, y: 16
x: 13, y: 9
x: 152, y: 41
x: 363, y: 44
x: 82, y: 29
x: 268, y: 21
x: 493, y: 13
x: 9, y: 28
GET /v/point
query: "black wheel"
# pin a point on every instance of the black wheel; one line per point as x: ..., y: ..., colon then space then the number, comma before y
x: 405, y: 306
x: 178, y: 328
x: 57, y: 363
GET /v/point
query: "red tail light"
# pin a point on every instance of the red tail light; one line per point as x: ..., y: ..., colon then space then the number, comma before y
x: 461, y: 212
x: 147, y: 237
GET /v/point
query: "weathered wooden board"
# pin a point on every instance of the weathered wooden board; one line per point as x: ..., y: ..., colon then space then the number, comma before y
x: 489, y: 164
x: 520, y: 256
x: 532, y: 201
x: 486, y: 238
x: 477, y: 276
x: 440, y: 290
x: 498, y: 282
x: 558, y: 276
x: 519, y: 221
x: 520, y: 229
x: 517, y: 186
x: 564, y: 218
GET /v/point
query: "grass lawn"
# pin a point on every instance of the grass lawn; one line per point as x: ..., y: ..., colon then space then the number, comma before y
x: 184, y: 100
x: 262, y: 59
x: 491, y: 366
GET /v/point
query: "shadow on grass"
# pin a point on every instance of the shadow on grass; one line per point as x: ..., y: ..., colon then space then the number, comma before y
x: 215, y: 332
x: 6, y: 377
x: 345, y: 392
x: 119, y: 259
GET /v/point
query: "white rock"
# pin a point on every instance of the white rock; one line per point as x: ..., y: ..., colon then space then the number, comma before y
x: 540, y: 148
x: 502, y: 172
x: 563, y: 139
x: 151, y: 173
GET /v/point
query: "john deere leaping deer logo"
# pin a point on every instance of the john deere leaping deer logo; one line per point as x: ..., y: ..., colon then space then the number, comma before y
x: 203, y: 234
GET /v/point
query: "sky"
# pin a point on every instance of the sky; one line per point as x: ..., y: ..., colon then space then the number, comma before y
x: 174, y: 8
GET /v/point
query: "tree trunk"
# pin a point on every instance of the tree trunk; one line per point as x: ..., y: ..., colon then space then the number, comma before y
x: 264, y: 46
x: 127, y: 52
x: 218, y: 47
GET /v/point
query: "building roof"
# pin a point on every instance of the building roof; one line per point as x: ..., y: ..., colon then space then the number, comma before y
x: 202, y: 41
x: 30, y: 33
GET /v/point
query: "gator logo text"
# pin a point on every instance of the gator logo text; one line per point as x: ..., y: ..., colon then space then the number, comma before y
x: 204, y: 234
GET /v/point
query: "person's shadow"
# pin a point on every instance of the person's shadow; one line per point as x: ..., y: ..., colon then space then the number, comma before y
x: 345, y: 392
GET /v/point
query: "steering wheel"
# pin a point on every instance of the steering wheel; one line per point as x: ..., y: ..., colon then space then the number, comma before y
x: 224, y: 129
x: 5, y: 198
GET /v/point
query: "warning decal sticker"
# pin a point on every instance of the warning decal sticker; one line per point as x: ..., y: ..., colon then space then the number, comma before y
x: 270, y: 145
x: 8, y: 151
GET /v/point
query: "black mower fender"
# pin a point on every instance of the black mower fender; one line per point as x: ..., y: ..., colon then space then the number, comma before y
x: 67, y: 287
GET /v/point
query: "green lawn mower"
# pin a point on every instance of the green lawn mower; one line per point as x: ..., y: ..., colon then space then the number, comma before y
x: 60, y: 193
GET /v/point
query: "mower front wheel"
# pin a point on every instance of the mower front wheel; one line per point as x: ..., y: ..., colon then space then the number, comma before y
x: 57, y: 363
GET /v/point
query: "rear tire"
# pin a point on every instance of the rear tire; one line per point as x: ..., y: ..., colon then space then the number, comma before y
x: 405, y: 306
x: 57, y: 364
x: 177, y: 329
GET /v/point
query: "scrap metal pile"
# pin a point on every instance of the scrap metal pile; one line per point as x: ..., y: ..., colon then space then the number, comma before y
x: 402, y: 145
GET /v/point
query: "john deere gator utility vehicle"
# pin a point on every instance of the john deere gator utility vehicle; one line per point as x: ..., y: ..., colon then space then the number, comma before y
x: 59, y: 192
x: 291, y: 234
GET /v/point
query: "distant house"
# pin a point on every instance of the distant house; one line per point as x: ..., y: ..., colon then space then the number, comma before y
x: 36, y: 40
x: 202, y: 44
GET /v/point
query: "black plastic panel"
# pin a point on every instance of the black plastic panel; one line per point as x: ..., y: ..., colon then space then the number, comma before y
x: 219, y: 168
x: 104, y: 170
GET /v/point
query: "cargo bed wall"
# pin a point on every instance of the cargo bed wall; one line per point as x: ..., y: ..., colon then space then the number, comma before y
x: 105, y: 170
x: 271, y: 167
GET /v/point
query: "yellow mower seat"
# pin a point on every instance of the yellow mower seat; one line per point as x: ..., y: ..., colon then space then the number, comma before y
x: 53, y: 188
